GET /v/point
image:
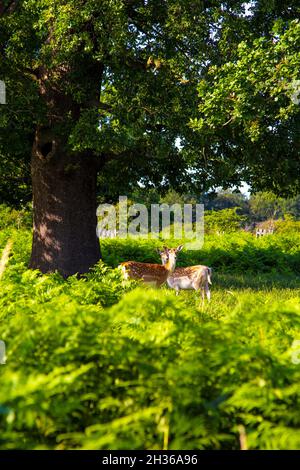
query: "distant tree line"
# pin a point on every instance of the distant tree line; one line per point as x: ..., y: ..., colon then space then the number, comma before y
x: 255, y: 208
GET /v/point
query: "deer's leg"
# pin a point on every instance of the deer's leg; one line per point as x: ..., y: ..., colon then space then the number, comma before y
x: 199, y: 288
x: 208, y: 294
x: 202, y: 296
x: 207, y: 291
x: 124, y: 275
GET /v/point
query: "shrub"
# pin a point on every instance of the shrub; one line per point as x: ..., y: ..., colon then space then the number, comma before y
x: 150, y: 372
x: 223, y: 221
x: 15, y: 218
x: 287, y: 225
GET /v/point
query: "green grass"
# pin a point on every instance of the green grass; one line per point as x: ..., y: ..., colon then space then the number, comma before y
x: 95, y: 364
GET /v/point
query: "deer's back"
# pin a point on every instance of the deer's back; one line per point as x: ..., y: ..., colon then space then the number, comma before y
x: 145, y: 271
x: 188, y: 278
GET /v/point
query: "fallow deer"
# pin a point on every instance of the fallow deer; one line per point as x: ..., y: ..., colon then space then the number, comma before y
x: 156, y: 274
x: 192, y: 277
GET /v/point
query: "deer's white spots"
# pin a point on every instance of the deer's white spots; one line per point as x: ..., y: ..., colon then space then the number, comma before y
x: 154, y: 274
x: 192, y: 277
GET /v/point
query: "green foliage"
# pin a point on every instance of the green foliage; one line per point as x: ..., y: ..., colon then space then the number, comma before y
x: 142, y: 60
x: 287, y: 225
x: 264, y: 69
x: 145, y: 60
x: 95, y: 364
x: 226, y: 251
x: 265, y: 205
x: 21, y: 218
x: 225, y: 200
x: 251, y: 103
x: 226, y: 220
x: 261, y: 205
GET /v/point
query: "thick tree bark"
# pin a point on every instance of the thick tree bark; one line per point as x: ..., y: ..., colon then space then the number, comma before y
x: 64, y: 200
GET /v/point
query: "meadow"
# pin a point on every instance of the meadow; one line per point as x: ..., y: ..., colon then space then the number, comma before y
x: 96, y: 364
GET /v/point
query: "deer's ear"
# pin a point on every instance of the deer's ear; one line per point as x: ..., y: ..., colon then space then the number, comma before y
x: 179, y: 248
x: 165, y: 248
x: 158, y: 251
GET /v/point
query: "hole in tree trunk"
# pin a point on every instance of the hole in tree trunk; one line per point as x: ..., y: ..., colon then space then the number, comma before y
x: 46, y: 148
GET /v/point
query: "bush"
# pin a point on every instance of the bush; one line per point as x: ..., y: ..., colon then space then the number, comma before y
x: 238, y: 252
x: 223, y: 221
x: 15, y: 218
x: 287, y: 225
x: 150, y: 372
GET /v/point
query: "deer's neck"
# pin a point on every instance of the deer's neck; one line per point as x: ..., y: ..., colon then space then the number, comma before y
x: 170, y: 264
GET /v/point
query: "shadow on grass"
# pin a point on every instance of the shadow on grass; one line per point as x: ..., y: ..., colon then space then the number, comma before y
x: 256, y: 282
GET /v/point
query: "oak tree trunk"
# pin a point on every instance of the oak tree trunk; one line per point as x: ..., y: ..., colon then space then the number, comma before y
x: 64, y: 206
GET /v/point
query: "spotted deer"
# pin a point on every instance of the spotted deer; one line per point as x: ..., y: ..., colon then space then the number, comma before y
x: 155, y: 274
x: 192, y: 277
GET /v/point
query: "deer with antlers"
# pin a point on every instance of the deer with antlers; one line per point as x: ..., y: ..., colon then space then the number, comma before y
x: 191, y: 277
x: 155, y: 274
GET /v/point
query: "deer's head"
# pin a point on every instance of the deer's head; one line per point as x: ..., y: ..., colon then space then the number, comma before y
x: 169, y: 256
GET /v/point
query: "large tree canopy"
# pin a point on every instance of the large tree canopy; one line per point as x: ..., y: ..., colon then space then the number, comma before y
x: 111, y: 88
x: 250, y: 110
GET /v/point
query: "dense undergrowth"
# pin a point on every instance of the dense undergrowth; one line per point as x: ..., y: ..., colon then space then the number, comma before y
x: 93, y: 363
